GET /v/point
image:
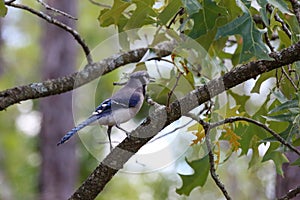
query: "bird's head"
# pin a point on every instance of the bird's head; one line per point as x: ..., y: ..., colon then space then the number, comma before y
x: 142, y: 77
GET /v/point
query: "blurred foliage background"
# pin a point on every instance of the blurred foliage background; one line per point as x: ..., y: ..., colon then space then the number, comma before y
x: 243, y: 174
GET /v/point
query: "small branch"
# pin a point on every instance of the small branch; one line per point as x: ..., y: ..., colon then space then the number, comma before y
x: 273, y: 133
x: 268, y: 41
x: 100, y: 4
x: 212, y: 165
x: 173, y: 88
x: 296, y: 8
x: 289, y: 78
x: 291, y: 194
x: 67, y: 83
x: 207, y: 127
x: 51, y: 20
x: 56, y: 10
x: 283, y: 24
x: 173, y: 131
x: 8, y: 2
x: 179, y: 13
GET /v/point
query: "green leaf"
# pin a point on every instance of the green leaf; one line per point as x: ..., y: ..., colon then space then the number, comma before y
x: 240, y: 100
x: 286, y: 117
x: 189, y: 182
x: 142, y: 15
x: 263, y: 11
x: 206, y: 18
x: 260, y: 80
x: 281, y: 5
x: 278, y: 157
x: 192, y: 6
x: 252, y: 44
x: 169, y: 11
x: 112, y: 16
x: 3, y: 9
x: 286, y: 105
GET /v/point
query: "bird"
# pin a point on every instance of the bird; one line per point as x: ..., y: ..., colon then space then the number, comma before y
x: 119, y: 108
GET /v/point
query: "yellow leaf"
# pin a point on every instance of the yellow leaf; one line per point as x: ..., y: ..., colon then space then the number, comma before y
x: 232, y: 138
x: 200, y: 136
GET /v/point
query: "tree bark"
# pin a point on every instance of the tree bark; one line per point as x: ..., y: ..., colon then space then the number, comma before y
x: 59, y: 165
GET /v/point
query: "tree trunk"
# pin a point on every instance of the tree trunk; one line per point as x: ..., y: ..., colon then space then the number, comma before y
x: 291, y: 177
x: 59, y: 165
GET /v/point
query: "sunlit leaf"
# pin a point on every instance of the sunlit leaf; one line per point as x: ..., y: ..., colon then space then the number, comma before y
x: 189, y: 182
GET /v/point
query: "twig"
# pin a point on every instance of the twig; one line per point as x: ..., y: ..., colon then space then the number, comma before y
x: 173, y: 88
x: 179, y: 13
x: 173, y: 131
x: 207, y: 127
x: 291, y: 194
x: 296, y: 8
x: 268, y: 42
x: 273, y: 133
x: 56, y: 10
x: 184, y: 125
x: 212, y: 164
x: 8, y: 2
x: 99, y: 4
x: 283, y: 24
x: 51, y: 20
x: 289, y: 78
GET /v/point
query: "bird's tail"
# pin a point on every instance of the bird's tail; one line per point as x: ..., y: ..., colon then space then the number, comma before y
x: 90, y: 120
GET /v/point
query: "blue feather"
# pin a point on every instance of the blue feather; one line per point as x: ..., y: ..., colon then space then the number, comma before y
x: 103, y: 107
x: 134, y: 100
x: 90, y: 120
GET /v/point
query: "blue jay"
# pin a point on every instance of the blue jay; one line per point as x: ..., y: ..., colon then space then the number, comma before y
x: 120, y: 108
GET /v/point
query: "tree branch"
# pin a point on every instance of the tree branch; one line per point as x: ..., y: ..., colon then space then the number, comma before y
x: 154, y: 123
x: 296, y: 8
x: 59, y: 24
x: 67, y: 83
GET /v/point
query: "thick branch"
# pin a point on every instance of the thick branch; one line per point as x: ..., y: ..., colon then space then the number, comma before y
x: 163, y: 116
x: 67, y: 83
